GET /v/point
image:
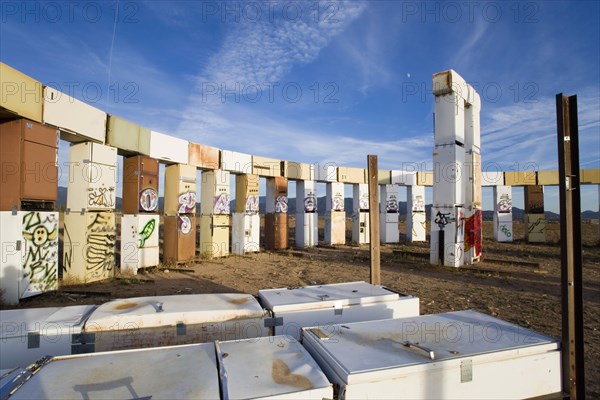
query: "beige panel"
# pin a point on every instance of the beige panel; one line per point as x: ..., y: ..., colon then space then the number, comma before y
x: 425, y: 178
x: 20, y: 95
x: 264, y: 166
x: 297, y: 171
x: 124, y: 135
x: 89, y: 246
x: 535, y: 228
x: 520, y: 178
x: 246, y: 194
x: 204, y: 157
x: 590, y: 176
x: 547, y: 178
x: 352, y: 175
x: 74, y: 116
x: 214, y: 236
x: 180, y: 189
x: 384, y: 176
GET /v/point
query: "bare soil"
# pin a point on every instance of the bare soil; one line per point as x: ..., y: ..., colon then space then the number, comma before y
x: 517, y: 282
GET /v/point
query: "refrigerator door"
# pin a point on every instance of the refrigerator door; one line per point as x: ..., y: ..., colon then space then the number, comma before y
x: 12, y: 255
x: 453, y: 355
x: 89, y: 246
x: 39, y: 175
x: 179, y: 238
x: 27, y: 335
x: 172, y: 320
x: 274, y: 367
x: 40, y: 252
x: 182, y: 372
x: 74, y: 116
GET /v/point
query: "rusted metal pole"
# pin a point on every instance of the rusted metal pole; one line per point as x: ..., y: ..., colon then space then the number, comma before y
x: 570, y: 239
x: 374, y: 219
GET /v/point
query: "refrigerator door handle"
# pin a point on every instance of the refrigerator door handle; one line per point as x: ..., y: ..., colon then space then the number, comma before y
x: 426, y: 351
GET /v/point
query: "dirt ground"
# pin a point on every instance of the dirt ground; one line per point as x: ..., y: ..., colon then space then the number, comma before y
x: 517, y: 282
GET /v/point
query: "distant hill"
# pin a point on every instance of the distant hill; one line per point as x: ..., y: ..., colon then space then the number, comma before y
x: 518, y: 213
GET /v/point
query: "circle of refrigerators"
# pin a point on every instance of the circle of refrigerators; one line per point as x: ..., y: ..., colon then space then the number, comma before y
x: 345, y: 341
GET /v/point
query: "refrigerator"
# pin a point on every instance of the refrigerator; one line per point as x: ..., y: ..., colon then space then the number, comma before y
x: 360, y: 227
x: 126, y: 136
x: 89, y: 246
x: 179, y: 242
x: 202, y: 156
x: 28, y: 155
x: 214, y: 236
x: 29, y: 264
x: 270, y: 368
x: 174, y: 320
x: 180, y: 189
x: 31, y: 333
x: 323, y: 305
x: 16, y: 86
x: 140, y: 185
x: 451, y: 177
x: 245, y: 233
x: 180, y: 372
x: 335, y: 227
x: 92, y: 177
x: 76, y: 120
x: 139, y: 242
x: 455, y: 355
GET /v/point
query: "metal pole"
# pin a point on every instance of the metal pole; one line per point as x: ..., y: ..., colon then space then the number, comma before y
x: 571, y: 255
x: 374, y: 219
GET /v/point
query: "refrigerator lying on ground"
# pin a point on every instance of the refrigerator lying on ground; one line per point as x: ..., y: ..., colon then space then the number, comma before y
x: 323, y: 305
x: 269, y: 368
x: 178, y: 372
x: 456, y: 355
x: 30, y: 333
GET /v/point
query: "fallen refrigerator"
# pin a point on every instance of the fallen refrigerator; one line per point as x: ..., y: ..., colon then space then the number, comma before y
x: 174, y: 320
x: 179, y: 372
x: 457, y: 355
x: 269, y: 368
x: 324, y: 305
x: 30, y: 333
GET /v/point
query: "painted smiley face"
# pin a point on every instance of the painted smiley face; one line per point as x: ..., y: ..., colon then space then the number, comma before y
x: 40, y: 236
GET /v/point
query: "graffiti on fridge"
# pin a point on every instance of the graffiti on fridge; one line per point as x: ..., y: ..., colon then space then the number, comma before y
x: 40, y: 263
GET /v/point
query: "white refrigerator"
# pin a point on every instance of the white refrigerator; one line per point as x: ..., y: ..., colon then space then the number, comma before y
x: 456, y: 355
x: 324, y: 305
x: 276, y: 367
x: 179, y: 372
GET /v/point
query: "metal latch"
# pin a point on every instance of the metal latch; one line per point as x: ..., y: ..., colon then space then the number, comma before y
x: 273, y: 322
x: 466, y: 371
x: 318, y: 332
x: 426, y: 351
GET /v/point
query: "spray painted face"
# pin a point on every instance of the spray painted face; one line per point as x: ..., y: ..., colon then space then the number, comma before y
x: 40, y: 236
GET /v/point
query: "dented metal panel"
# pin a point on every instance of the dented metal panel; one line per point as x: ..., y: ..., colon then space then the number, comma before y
x: 276, y: 367
x: 22, y: 96
x: 185, y: 372
x: 203, y: 156
x: 78, y: 120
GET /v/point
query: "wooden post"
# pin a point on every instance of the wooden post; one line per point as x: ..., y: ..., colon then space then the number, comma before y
x: 374, y: 219
x: 570, y: 249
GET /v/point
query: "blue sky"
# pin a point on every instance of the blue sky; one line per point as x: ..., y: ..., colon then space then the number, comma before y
x: 323, y: 81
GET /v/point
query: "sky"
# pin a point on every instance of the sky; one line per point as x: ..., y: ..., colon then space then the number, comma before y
x: 323, y: 81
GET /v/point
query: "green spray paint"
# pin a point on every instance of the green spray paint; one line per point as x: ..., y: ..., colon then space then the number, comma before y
x: 147, y: 232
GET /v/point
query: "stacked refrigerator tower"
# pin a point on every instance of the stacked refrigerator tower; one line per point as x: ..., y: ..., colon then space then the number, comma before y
x: 335, y: 215
x: 140, y: 221
x: 179, y: 213
x: 503, y: 218
x: 389, y: 213
x: 360, y: 213
x: 245, y: 229
x: 456, y: 211
x: 307, y: 218
x: 29, y: 224
x: 535, y: 222
x: 90, y: 231
x: 215, y: 209
x: 276, y: 217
